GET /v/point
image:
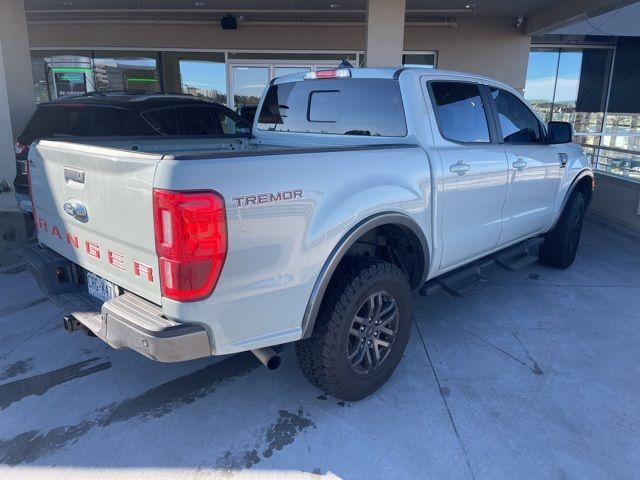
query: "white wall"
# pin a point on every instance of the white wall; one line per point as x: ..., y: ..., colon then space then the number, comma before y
x: 480, y: 45
x: 618, y: 200
x: 16, y: 89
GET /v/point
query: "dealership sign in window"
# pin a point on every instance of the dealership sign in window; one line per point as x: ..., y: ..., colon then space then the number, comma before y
x: 70, y: 83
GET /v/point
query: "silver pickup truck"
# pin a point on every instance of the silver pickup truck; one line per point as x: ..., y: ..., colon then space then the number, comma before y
x: 357, y: 187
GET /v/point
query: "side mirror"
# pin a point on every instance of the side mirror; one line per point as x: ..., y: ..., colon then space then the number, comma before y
x: 559, y: 132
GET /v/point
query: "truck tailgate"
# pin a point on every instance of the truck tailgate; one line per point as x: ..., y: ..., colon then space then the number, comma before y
x: 115, y: 239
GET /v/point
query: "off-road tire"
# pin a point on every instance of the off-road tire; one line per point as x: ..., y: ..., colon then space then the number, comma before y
x: 323, y: 358
x: 561, y: 243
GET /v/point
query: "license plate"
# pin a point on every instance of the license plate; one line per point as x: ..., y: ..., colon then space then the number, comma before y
x: 100, y: 288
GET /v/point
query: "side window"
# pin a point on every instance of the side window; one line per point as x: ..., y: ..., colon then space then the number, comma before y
x: 197, y: 121
x: 518, y: 123
x: 460, y: 112
x: 162, y: 121
x: 230, y: 122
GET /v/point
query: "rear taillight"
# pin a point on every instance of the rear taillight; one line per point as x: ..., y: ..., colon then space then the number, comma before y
x: 191, y: 242
x: 21, y: 150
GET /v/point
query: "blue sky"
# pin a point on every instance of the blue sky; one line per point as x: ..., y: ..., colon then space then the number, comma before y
x: 204, y: 75
x: 541, y: 75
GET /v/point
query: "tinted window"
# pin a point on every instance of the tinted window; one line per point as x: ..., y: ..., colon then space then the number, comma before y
x: 162, y: 121
x: 335, y: 106
x: 75, y: 120
x: 460, y: 111
x: 518, y: 123
x: 230, y: 122
x: 197, y: 121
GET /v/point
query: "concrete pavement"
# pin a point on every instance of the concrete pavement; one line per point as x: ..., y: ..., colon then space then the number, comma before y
x: 536, y: 376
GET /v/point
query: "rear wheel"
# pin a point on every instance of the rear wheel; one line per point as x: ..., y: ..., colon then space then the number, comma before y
x: 361, y: 331
x: 561, y: 243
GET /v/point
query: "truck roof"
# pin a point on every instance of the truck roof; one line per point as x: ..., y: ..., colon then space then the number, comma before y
x: 394, y: 72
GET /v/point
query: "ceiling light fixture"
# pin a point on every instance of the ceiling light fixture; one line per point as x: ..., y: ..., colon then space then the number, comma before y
x: 470, y: 6
x: 67, y: 4
x: 334, y: 5
x: 199, y: 4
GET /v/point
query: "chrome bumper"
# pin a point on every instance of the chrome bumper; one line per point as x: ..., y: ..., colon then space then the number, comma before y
x: 126, y: 321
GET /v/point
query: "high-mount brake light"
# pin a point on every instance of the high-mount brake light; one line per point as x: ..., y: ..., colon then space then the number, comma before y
x: 336, y: 73
x: 191, y: 242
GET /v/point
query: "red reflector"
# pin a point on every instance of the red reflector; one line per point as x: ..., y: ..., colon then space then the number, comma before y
x: 21, y: 149
x: 33, y: 205
x: 191, y: 242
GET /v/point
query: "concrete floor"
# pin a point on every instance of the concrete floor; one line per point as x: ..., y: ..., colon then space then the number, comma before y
x: 536, y: 376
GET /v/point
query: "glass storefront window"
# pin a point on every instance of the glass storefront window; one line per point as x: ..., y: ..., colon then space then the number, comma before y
x: 427, y: 60
x: 541, y: 81
x: 60, y: 73
x: 248, y: 84
x: 202, y: 74
x: 569, y: 85
x: 280, y: 71
x: 126, y: 71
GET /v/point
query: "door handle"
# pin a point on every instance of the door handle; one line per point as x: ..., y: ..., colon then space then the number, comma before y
x: 564, y: 159
x: 519, y: 164
x: 460, y: 168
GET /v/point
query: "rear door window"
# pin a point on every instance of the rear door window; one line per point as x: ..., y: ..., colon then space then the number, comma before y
x: 197, y: 121
x: 460, y: 112
x: 163, y: 120
x: 230, y: 122
x: 352, y: 106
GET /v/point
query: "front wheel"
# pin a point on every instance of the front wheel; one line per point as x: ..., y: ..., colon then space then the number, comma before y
x: 361, y: 331
x: 561, y: 243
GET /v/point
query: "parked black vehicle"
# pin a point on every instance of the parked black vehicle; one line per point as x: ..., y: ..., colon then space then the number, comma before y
x: 118, y: 113
x: 248, y: 112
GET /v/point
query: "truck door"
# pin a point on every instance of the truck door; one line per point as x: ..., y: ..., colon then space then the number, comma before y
x: 534, y: 168
x: 474, y: 171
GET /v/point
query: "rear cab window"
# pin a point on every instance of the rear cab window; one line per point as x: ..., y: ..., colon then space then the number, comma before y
x: 351, y: 106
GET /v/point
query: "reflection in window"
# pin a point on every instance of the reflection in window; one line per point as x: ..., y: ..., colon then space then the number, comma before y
x: 517, y: 123
x: 461, y: 113
x: 426, y: 60
x: 201, y: 74
x: 125, y: 71
x: 569, y: 85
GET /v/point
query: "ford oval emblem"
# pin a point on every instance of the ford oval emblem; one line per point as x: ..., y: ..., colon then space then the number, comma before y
x: 76, y: 209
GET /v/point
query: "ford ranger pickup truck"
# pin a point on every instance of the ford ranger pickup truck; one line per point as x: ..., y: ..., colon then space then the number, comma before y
x: 356, y: 187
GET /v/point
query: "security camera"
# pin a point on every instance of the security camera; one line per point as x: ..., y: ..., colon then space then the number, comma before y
x: 519, y: 22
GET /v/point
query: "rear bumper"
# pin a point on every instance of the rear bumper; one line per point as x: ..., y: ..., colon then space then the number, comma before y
x: 126, y: 321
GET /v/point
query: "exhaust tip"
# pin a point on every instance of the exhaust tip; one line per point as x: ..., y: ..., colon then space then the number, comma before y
x: 268, y: 357
x: 274, y: 362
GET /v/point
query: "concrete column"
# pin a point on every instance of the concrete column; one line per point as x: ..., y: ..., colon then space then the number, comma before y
x: 16, y: 90
x: 385, y: 33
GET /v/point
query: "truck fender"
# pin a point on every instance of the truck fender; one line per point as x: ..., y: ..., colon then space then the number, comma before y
x: 339, y: 251
x: 574, y: 183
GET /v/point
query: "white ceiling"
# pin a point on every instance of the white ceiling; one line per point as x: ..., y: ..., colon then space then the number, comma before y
x: 336, y: 8
x: 621, y: 22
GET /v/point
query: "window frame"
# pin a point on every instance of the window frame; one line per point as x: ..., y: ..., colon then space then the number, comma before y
x: 215, y: 109
x: 496, y: 118
x: 488, y: 113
